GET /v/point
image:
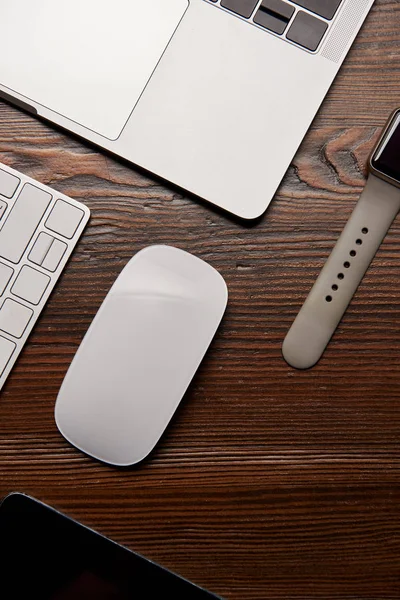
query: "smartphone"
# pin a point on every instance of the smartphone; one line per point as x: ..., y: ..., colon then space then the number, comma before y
x: 49, y: 556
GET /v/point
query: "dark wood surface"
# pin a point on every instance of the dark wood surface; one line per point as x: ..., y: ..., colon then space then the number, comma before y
x: 269, y: 482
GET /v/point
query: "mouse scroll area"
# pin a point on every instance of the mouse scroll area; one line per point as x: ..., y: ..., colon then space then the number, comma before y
x: 88, y: 61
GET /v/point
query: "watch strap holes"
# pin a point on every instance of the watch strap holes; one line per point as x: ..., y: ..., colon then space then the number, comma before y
x: 346, y: 265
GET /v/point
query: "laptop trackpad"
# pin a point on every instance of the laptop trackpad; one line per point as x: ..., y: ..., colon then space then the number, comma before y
x: 88, y: 60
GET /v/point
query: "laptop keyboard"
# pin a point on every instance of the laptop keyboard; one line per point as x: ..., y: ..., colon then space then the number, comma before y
x: 39, y: 230
x: 285, y: 18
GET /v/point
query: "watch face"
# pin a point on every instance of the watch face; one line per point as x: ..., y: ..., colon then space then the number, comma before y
x: 386, y: 158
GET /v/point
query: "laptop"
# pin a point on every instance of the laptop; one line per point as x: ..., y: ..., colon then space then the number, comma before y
x: 213, y: 96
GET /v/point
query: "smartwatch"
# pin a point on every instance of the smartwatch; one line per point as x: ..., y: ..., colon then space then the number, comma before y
x: 364, y: 232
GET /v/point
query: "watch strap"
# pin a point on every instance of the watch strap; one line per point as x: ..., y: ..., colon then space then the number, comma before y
x: 357, y: 245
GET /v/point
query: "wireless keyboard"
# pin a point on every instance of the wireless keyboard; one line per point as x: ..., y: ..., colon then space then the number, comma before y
x: 39, y: 230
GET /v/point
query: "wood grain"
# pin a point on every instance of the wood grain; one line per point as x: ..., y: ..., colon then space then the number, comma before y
x: 269, y: 483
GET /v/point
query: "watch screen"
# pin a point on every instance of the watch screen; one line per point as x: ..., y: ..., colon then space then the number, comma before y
x: 387, y: 157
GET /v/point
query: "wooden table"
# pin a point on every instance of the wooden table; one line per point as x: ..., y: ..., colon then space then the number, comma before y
x: 269, y: 482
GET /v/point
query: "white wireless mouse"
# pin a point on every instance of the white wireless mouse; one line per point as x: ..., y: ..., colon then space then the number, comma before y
x: 140, y: 354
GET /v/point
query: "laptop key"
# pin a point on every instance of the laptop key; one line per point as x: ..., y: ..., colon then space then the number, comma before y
x: 244, y: 8
x: 323, y: 8
x: 307, y: 31
x: 274, y: 15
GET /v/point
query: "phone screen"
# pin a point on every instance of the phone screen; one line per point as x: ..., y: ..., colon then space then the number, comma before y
x: 49, y: 556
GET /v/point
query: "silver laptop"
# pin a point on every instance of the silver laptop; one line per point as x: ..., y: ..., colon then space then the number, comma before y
x: 214, y: 96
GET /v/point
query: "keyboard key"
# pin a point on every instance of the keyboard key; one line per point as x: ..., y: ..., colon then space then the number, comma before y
x: 3, y: 208
x: 8, y: 184
x: 323, y: 8
x: 54, y: 255
x: 30, y: 285
x: 64, y: 219
x: 5, y: 276
x: 307, y: 31
x: 274, y: 15
x: 41, y: 248
x: 6, y: 351
x: 14, y: 317
x: 22, y: 222
x: 47, y: 251
x: 244, y: 8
